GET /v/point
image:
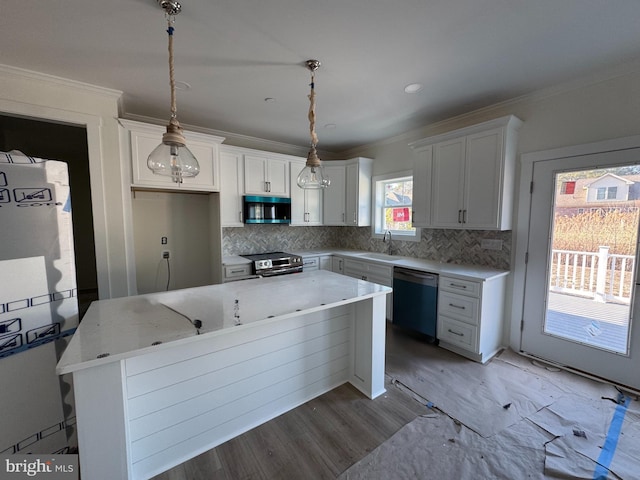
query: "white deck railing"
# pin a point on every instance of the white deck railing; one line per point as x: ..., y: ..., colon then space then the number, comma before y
x: 603, y: 276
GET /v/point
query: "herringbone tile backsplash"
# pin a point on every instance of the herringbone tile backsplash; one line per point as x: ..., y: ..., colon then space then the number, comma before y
x: 454, y: 246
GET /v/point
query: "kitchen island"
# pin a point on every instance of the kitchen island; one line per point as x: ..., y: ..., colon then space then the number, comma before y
x: 152, y: 390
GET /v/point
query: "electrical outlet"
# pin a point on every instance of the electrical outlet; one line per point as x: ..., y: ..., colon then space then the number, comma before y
x: 164, y: 240
x: 491, y: 244
x: 166, y: 254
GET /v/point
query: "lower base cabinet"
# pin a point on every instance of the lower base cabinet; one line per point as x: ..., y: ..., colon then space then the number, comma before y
x: 321, y: 262
x: 371, y: 272
x: 470, y: 316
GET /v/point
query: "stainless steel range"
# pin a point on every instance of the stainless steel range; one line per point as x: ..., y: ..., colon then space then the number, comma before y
x: 275, y: 263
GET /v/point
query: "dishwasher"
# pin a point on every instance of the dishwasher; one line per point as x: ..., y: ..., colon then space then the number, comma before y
x: 415, y: 300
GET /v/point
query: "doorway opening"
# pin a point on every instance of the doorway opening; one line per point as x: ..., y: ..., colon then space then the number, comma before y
x: 66, y: 143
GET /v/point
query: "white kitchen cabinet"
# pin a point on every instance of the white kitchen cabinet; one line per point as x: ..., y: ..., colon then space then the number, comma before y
x: 334, y: 198
x: 310, y: 263
x: 470, y: 316
x: 240, y: 271
x: 316, y: 262
x: 371, y: 272
x: 472, y: 176
x: 337, y: 264
x: 421, y: 206
x: 231, y: 179
x: 139, y: 139
x: 306, y: 204
x: 326, y: 262
x: 347, y: 200
x: 266, y: 175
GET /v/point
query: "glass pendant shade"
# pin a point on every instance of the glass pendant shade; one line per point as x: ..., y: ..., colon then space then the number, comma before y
x: 312, y: 175
x: 172, y: 158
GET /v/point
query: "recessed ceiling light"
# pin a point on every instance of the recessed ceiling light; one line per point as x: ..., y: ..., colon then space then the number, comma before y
x: 413, y: 88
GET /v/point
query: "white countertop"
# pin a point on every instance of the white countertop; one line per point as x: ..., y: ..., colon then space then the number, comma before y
x: 127, y: 327
x: 462, y: 271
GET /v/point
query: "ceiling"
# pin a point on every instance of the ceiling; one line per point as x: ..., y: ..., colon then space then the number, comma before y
x: 234, y: 54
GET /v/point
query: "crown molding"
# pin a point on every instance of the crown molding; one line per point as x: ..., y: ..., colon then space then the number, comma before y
x: 8, y: 70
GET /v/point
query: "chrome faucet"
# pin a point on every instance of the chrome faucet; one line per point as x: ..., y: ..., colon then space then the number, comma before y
x: 384, y: 239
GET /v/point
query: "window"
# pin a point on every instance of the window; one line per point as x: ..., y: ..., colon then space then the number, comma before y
x: 393, y: 201
x: 568, y: 188
x: 608, y: 193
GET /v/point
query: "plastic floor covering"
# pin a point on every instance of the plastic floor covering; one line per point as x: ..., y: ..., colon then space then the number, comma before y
x: 508, y: 419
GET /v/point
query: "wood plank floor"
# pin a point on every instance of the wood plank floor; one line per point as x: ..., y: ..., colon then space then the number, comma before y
x: 318, y: 440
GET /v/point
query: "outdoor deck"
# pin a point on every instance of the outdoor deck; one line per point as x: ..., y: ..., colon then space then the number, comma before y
x: 587, y: 321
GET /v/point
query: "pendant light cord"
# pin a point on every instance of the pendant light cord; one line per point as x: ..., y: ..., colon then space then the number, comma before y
x: 312, y: 112
x: 172, y: 81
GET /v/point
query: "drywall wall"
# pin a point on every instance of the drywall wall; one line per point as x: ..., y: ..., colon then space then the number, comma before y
x: 181, y: 218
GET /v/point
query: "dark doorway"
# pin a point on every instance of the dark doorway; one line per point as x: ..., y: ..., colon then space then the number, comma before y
x: 66, y: 143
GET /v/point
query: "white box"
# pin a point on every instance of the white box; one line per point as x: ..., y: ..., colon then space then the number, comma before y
x: 38, y: 303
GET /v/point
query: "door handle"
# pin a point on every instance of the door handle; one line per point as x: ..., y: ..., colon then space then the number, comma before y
x: 456, y: 333
x: 464, y: 216
x: 457, y: 306
x: 459, y: 216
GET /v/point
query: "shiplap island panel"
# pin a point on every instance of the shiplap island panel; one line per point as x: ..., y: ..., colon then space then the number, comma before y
x: 165, y: 393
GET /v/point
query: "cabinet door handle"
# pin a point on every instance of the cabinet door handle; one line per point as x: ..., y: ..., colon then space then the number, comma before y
x: 457, y: 306
x: 343, y: 217
x: 456, y: 333
x: 355, y: 220
x: 464, y: 216
x: 459, y: 216
x: 457, y: 285
x: 240, y: 215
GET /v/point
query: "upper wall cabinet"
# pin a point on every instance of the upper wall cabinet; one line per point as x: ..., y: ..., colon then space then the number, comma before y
x: 306, y: 204
x: 266, y: 175
x: 467, y: 176
x: 139, y: 139
x: 422, y: 168
x: 347, y: 200
x: 231, y: 180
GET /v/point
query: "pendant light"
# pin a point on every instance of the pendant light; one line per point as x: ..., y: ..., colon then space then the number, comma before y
x: 312, y: 175
x: 172, y: 157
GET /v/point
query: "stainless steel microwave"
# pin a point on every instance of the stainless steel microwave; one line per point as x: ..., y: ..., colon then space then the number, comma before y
x: 258, y: 209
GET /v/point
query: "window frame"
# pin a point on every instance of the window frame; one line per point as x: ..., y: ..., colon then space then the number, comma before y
x: 377, y: 210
